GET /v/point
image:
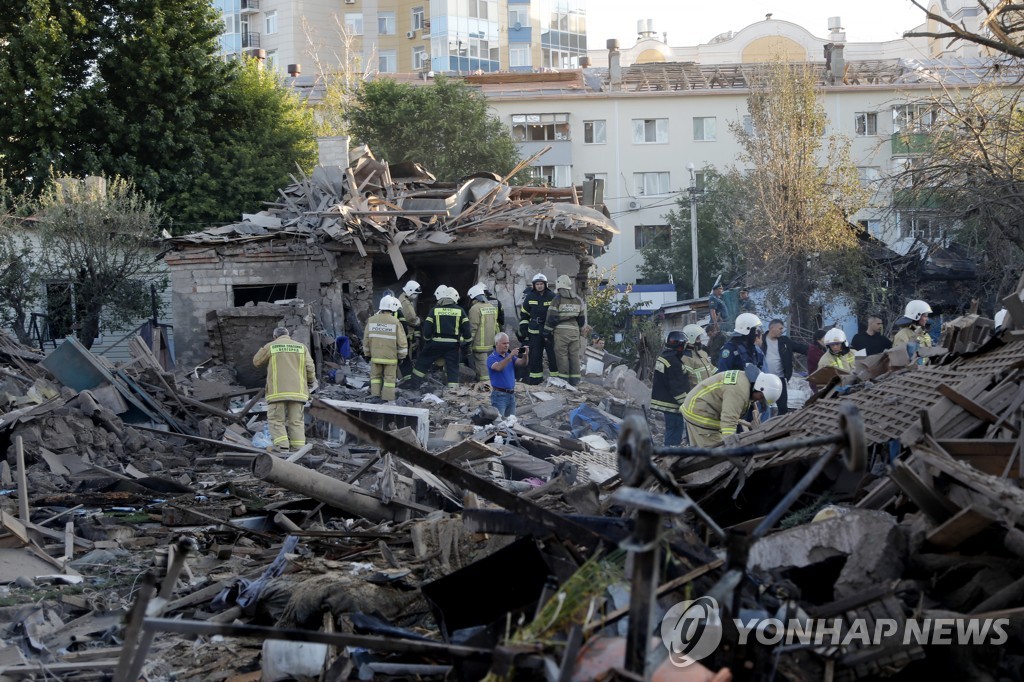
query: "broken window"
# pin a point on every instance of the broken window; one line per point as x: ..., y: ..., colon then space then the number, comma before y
x: 659, y: 236
x: 540, y: 127
x: 920, y: 225
x: 865, y: 123
x: 914, y: 118
x: 594, y: 132
x: 552, y: 176
x: 257, y: 293
x: 650, y: 130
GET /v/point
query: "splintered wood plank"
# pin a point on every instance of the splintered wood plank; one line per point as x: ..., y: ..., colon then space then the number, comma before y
x: 979, y: 411
x: 962, y: 526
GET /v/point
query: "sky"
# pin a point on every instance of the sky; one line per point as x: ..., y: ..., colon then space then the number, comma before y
x: 691, y: 22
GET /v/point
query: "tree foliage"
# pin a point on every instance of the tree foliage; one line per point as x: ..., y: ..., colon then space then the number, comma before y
x: 99, y: 236
x: 719, y: 209
x: 446, y: 126
x: 610, y: 312
x: 138, y: 89
x: 802, y: 189
x: 19, y: 274
x: 1002, y: 27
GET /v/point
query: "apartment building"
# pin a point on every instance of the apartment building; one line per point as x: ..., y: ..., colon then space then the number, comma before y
x: 407, y: 36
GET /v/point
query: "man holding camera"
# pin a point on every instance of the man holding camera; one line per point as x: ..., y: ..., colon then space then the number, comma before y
x: 501, y: 367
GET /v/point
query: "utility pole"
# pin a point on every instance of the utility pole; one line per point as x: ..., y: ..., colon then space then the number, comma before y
x: 693, y: 228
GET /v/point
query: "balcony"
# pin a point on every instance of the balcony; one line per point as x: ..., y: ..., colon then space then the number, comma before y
x: 250, y: 6
x: 250, y: 39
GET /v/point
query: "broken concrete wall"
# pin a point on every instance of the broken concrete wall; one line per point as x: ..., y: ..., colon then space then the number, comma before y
x: 235, y: 334
x: 204, y: 279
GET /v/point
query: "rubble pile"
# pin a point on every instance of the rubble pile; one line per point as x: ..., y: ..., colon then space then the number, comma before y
x: 147, y: 534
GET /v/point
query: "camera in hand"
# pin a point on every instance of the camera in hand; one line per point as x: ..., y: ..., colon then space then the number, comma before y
x: 522, y: 350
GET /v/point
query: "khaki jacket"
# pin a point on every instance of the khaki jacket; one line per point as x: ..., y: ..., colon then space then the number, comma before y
x: 846, y: 362
x: 384, y: 340
x: 697, y: 365
x: 290, y: 370
x: 719, y: 402
x: 565, y: 313
x: 912, y: 333
x: 483, y: 324
x: 409, y: 312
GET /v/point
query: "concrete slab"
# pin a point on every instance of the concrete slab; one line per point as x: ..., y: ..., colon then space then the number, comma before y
x: 549, y: 408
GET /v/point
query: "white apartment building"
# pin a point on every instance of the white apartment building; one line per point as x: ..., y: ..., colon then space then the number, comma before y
x: 638, y: 122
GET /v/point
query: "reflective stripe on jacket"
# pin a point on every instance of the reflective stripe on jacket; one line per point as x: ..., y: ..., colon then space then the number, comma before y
x: 670, y: 384
x: 719, y: 402
x: 565, y: 312
x: 845, y: 362
x: 483, y: 324
x: 290, y: 370
x: 412, y: 320
x: 534, y: 311
x: 446, y: 323
x: 698, y: 365
x: 384, y: 339
x: 913, y: 333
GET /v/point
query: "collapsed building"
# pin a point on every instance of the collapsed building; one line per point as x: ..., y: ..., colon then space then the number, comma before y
x: 356, y: 227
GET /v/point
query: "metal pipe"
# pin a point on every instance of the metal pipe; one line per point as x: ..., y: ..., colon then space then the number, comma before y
x: 747, y: 450
x: 796, y: 491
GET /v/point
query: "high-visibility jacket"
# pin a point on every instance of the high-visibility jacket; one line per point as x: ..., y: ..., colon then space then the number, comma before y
x: 671, y: 382
x: 483, y: 325
x: 913, y: 333
x: 718, y: 402
x: 501, y: 311
x: 845, y: 362
x: 409, y: 317
x: 697, y: 364
x: 290, y: 370
x: 446, y: 323
x: 566, y: 312
x: 534, y: 312
x: 384, y: 340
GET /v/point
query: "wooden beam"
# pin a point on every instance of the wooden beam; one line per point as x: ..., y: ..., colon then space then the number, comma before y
x: 962, y: 526
x: 974, y: 408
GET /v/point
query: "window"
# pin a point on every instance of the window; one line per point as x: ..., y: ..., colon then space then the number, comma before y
x: 518, y: 18
x: 659, y: 236
x: 354, y: 23
x: 386, y: 23
x: 270, y: 22
x: 918, y: 225
x: 519, y: 55
x: 914, y: 118
x: 908, y: 170
x: 748, y: 125
x: 704, y: 128
x: 869, y: 176
x: 865, y: 123
x: 417, y: 18
x: 540, y: 127
x: 647, y: 184
x: 650, y: 130
x: 552, y: 176
x: 873, y: 227
x: 419, y: 58
x: 699, y: 181
x: 594, y: 132
x: 387, y: 61
x: 272, y: 62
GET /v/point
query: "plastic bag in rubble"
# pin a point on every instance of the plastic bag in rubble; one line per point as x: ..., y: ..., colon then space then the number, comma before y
x: 262, y: 438
x: 585, y: 419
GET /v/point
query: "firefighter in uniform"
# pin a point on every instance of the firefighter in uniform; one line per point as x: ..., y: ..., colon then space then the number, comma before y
x: 563, y: 323
x: 914, y: 325
x: 741, y: 348
x: 445, y: 329
x: 483, y: 327
x: 493, y: 300
x: 532, y: 316
x: 384, y: 344
x: 291, y: 377
x: 713, y: 408
x: 410, y: 321
x: 696, y: 362
x: 839, y: 354
x: 670, y: 386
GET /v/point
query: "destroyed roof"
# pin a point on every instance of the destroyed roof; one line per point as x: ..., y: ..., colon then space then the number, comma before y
x: 374, y: 205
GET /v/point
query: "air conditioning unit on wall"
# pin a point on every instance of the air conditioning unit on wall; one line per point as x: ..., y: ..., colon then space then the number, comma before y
x: 410, y: 34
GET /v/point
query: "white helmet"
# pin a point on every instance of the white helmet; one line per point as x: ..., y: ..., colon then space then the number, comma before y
x: 835, y: 336
x: 745, y: 322
x: 693, y: 333
x: 412, y: 288
x: 539, y: 277
x: 563, y: 282
x: 770, y: 386
x: 441, y: 291
x: 915, y: 309
x: 390, y: 303
x: 452, y: 293
x: 476, y: 290
x: 1001, y: 317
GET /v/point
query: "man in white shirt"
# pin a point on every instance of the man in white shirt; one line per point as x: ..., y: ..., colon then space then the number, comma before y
x: 778, y: 352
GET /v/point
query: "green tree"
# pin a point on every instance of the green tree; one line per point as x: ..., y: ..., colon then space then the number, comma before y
x: 20, y: 279
x: 803, y: 187
x: 446, y: 126
x: 138, y: 89
x: 100, y: 236
x: 609, y: 312
x: 719, y: 207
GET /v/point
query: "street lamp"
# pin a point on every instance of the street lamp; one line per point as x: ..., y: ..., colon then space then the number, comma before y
x: 693, y: 227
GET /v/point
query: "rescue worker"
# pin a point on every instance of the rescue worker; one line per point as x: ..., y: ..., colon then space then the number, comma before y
x: 493, y: 300
x: 483, y: 327
x: 563, y: 323
x: 742, y: 348
x: 410, y: 321
x: 291, y: 377
x: 696, y: 362
x: 914, y: 325
x: 384, y: 344
x: 839, y: 354
x: 669, y: 388
x: 713, y: 408
x: 444, y: 329
x: 532, y: 316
